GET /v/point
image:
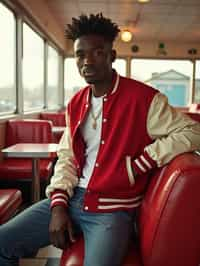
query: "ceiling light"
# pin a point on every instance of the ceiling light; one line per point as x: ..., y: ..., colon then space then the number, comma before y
x: 143, y: 1
x: 126, y: 36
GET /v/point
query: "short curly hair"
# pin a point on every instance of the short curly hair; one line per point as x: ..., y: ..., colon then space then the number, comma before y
x: 92, y: 24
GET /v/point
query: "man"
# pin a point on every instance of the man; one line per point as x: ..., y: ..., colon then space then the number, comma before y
x: 118, y: 130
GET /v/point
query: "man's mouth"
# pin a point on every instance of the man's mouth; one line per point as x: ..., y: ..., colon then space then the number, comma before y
x: 89, y: 72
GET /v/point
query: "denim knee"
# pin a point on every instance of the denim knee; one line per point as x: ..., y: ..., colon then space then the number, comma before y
x: 7, y: 244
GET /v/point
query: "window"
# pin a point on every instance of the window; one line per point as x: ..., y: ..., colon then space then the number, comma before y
x: 120, y: 66
x: 72, y: 79
x: 8, y: 60
x: 52, y: 79
x: 171, y: 77
x: 197, y: 82
x: 33, y: 69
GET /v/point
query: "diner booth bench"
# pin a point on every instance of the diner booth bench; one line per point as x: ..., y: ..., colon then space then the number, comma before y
x: 10, y: 201
x: 58, y: 120
x: 168, y: 221
x: 194, y: 116
x: 26, y: 131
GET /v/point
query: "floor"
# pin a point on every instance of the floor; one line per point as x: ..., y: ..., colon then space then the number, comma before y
x: 49, y: 256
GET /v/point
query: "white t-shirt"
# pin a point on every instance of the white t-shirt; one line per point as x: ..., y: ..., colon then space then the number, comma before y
x: 92, y: 139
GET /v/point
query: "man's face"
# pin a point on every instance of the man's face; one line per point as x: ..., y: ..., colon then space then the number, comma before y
x: 94, y: 58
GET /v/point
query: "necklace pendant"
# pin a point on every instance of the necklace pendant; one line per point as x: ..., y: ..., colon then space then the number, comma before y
x: 94, y: 125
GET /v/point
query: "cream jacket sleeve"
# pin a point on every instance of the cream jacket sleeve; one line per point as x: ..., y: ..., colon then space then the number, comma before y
x: 173, y: 133
x: 65, y: 176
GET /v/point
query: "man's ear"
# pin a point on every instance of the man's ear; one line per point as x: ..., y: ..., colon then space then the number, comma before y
x: 113, y: 55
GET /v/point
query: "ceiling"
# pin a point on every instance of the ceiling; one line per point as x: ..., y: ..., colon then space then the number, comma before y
x: 158, y: 20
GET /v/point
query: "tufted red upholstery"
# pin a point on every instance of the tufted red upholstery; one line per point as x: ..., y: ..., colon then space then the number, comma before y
x: 169, y: 231
x: 58, y: 119
x: 10, y: 200
x: 26, y: 131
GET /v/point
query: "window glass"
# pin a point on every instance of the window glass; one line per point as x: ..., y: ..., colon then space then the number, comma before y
x: 8, y: 60
x: 120, y: 66
x: 171, y: 77
x: 197, y: 82
x: 33, y: 69
x: 52, y: 79
x: 72, y: 79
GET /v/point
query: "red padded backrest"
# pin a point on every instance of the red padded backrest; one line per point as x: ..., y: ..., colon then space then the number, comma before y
x: 195, y: 116
x: 28, y: 131
x: 58, y: 119
x: 170, y: 215
x: 10, y: 200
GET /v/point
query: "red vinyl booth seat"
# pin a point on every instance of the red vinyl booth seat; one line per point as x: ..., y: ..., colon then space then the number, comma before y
x: 10, y: 200
x: 26, y: 131
x: 14, y: 168
x: 194, y: 116
x: 169, y: 220
x: 58, y: 119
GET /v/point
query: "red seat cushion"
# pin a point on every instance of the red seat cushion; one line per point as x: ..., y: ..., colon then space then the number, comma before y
x: 14, y: 168
x: 74, y: 255
x: 195, y: 116
x: 28, y: 131
x: 58, y: 119
x: 10, y: 200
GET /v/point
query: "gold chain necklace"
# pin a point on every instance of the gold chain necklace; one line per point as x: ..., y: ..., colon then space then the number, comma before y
x: 95, y: 118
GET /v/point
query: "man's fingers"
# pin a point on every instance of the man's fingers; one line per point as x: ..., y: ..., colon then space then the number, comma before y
x: 70, y: 232
x: 59, y: 240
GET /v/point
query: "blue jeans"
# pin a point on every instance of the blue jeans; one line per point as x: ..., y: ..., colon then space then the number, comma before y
x: 106, y: 235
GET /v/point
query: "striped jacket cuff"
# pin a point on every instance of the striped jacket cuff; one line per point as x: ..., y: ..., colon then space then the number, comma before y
x: 58, y: 197
x: 143, y: 164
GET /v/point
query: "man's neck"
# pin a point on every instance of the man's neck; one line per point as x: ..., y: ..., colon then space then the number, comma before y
x: 102, y: 88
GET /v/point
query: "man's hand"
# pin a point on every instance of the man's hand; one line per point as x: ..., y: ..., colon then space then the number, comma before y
x: 60, y: 228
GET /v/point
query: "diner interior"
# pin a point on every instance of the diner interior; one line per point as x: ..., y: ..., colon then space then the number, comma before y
x: 159, y: 42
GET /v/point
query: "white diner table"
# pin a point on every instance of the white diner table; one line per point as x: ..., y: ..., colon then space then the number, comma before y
x: 58, y: 129
x: 35, y: 151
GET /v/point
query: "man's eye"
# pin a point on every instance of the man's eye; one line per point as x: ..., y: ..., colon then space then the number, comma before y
x: 99, y: 52
x: 79, y: 55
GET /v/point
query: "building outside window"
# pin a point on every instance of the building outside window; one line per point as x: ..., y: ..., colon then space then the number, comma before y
x: 197, y: 82
x: 171, y: 77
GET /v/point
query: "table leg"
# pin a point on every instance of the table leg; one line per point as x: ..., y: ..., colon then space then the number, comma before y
x: 35, y: 180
